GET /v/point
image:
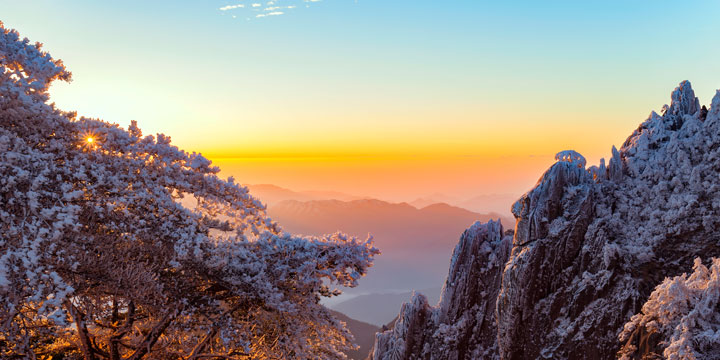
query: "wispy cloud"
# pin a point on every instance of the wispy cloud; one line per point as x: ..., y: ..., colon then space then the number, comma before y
x: 230, y: 7
x: 274, y: 13
x: 261, y: 9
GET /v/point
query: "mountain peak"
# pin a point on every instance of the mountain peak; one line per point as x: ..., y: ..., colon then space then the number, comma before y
x: 549, y: 199
x: 715, y: 106
x: 684, y: 100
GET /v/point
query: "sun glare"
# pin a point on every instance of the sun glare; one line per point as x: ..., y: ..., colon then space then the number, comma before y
x: 89, y: 140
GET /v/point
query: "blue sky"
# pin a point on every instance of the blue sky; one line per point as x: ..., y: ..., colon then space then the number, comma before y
x: 383, y: 78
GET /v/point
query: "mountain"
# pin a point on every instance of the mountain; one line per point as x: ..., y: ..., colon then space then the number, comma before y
x: 497, y: 203
x: 589, y: 247
x: 415, y: 243
x: 380, y: 308
x: 363, y: 333
x: 433, y: 199
x: 272, y: 194
x: 393, y: 225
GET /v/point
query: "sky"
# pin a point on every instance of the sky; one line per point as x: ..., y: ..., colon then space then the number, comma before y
x: 391, y: 99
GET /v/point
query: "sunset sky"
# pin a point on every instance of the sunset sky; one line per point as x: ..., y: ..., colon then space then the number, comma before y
x: 392, y: 99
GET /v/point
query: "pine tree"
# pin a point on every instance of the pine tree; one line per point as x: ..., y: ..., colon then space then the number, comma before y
x: 115, y: 245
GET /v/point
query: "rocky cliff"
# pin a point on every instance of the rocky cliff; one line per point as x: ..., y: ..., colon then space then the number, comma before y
x: 463, y: 324
x: 590, y: 245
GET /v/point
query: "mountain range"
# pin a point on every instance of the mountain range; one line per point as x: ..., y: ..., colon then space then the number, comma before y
x: 272, y: 194
x: 486, y: 203
x: 415, y: 243
x: 496, y: 203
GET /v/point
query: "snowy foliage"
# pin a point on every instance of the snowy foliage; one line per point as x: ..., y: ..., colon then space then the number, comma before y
x: 685, y: 312
x: 99, y: 258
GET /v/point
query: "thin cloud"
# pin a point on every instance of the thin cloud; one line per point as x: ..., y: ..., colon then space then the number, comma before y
x: 230, y: 7
x: 254, y: 9
x: 274, y: 13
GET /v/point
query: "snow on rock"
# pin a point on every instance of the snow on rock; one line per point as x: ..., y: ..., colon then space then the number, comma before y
x: 680, y: 319
x: 572, y: 157
x: 461, y: 326
x: 590, y: 245
x: 684, y: 100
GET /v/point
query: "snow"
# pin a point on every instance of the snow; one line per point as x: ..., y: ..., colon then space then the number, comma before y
x: 572, y: 157
x: 683, y: 311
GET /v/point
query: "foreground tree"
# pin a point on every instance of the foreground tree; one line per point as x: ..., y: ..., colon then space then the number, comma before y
x: 119, y: 246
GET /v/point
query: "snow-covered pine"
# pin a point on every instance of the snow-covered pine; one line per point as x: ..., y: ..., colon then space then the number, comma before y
x: 590, y: 245
x: 680, y: 320
x: 99, y: 258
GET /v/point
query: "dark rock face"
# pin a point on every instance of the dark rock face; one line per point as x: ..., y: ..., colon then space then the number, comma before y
x: 590, y: 246
x: 552, y: 221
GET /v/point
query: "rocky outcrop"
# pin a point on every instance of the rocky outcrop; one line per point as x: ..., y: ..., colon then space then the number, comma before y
x: 591, y: 245
x: 553, y: 219
x: 462, y: 326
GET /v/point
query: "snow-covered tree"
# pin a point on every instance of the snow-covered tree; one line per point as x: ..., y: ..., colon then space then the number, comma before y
x: 115, y: 245
x: 681, y: 318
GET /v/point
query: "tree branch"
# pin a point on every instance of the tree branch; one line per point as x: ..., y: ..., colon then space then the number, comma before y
x: 200, y: 347
x: 152, y: 337
x: 87, y: 348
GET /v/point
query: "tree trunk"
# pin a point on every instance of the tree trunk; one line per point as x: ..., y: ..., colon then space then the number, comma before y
x: 114, y: 350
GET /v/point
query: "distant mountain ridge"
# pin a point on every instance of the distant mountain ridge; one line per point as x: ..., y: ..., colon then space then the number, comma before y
x: 487, y: 203
x: 384, y: 220
x: 272, y: 194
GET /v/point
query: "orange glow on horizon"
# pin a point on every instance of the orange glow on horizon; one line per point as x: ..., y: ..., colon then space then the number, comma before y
x: 392, y: 178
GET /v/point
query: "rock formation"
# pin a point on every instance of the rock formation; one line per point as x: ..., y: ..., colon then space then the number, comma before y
x: 463, y: 324
x: 589, y: 247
